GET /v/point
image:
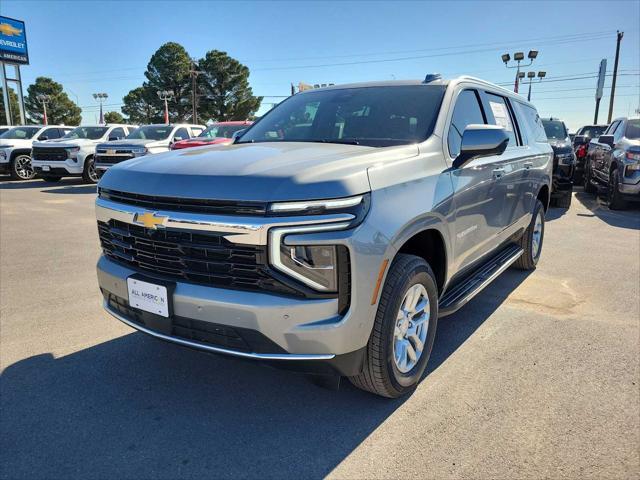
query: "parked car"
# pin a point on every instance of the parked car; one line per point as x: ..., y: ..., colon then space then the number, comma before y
x: 334, y: 232
x: 581, y: 145
x: 220, y: 133
x: 15, y: 147
x: 613, y: 163
x: 146, y: 140
x: 73, y: 154
x: 564, y: 162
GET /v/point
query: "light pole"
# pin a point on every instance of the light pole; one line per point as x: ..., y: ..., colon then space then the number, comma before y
x: 194, y: 72
x: 44, y: 99
x: 518, y: 57
x: 165, y: 95
x: 101, y: 97
x: 531, y: 76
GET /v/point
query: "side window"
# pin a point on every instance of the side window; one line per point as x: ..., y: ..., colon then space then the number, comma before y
x: 466, y: 112
x: 195, y: 131
x: 50, y: 134
x: 130, y: 129
x: 117, y: 133
x: 499, y: 114
x: 532, y: 122
x: 617, y: 133
x: 181, y: 134
x: 612, y: 128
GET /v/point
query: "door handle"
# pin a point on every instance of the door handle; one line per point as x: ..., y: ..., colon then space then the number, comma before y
x: 528, y: 165
x: 498, y: 172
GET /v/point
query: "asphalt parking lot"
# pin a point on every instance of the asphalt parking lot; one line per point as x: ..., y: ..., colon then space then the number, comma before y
x: 538, y: 376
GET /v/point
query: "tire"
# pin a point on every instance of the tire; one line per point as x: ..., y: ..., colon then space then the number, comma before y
x: 614, y: 197
x: 382, y: 374
x: 588, y: 186
x: 21, y: 168
x: 50, y: 178
x: 564, y: 201
x: 532, y: 249
x: 89, y: 173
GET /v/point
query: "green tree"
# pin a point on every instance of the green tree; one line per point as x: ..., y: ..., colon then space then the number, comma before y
x: 168, y: 69
x: 113, y: 117
x: 14, y: 106
x: 224, y: 88
x: 140, y: 106
x: 60, y: 108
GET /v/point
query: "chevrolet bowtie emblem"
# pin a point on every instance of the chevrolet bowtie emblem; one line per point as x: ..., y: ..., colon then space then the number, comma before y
x: 150, y: 220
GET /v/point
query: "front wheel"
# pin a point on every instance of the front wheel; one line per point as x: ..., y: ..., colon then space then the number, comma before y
x: 616, y: 201
x: 21, y: 168
x: 404, y: 330
x: 531, y: 240
x: 90, y: 174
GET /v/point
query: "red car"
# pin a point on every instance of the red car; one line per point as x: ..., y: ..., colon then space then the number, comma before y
x: 219, y: 133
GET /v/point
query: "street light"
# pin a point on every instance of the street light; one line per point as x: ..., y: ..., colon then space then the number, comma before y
x: 44, y: 99
x: 519, y: 57
x: 100, y: 97
x: 531, y: 76
x: 165, y: 95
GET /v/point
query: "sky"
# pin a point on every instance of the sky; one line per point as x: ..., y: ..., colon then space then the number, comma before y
x: 101, y: 46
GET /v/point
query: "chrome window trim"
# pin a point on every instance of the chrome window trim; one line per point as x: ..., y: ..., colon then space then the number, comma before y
x: 211, y: 348
x: 245, y: 230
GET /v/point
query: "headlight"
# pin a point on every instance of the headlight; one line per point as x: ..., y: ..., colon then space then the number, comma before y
x: 139, y: 151
x: 565, y: 158
x: 357, y: 206
x: 630, y: 156
x: 3, y: 154
x: 314, y: 265
x: 72, y: 152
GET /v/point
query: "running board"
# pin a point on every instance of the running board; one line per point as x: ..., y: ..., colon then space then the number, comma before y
x: 462, y: 293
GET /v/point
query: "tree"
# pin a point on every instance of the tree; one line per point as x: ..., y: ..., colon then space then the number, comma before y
x: 224, y: 84
x: 113, y: 117
x: 14, y: 106
x: 168, y: 69
x: 140, y: 107
x: 60, y: 108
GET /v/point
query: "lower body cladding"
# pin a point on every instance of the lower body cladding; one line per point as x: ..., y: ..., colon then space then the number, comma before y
x: 312, y: 334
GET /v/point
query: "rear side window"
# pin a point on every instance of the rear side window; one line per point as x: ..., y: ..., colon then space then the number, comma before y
x: 532, y: 121
x: 50, y: 134
x: 500, y: 115
x: 466, y: 112
x: 195, y: 131
x: 182, y: 134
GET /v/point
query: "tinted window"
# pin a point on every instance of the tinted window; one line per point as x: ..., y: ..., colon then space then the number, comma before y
x: 92, y: 133
x: 617, y: 133
x: 50, y: 134
x: 182, y: 133
x: 612, y: 128
x: 151, y: 132
x: 593, y: 131
x: 555, y: 129
x: 21, y: 133
x: 633, y: 129
x: 373, y: 116
x: 532, y: 121
x: 196, y: 131
x: 499, y: 112
x: 466, y: 112
x: 117, y: 133
x: 222, y: 131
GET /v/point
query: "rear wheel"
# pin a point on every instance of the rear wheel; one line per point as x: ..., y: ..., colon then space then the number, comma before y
x: 588, y: 186
x: 21, y: 168
x: 616, y: 201
x: 90, y: 174
x: 531, y: 240
x: 404, y: 329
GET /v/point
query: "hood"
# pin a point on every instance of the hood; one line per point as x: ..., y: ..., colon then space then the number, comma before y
x: 134, y: 141
x: 67, y: 142
x: 16, y: 142
x: 263, y: 172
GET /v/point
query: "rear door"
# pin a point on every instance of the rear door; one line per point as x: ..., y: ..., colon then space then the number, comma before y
x: 603, y: 152
x: 478, y: 198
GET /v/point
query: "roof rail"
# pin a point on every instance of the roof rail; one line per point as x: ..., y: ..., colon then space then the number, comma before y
x: 432, y: 77
x: 479, y: 80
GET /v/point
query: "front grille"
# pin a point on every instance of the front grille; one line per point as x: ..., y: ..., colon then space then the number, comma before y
x: 190, y: 256
x: 112, y: 159
x: 55, y: 154
x: 193, y: 205
x: 233, y: 338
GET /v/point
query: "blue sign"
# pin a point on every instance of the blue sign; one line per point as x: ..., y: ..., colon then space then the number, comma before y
x: 13, y: 41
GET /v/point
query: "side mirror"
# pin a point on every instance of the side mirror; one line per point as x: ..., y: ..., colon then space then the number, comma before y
x: 481, y: 141
x: 43, y: 137
x: 177, y: 139
x: 112, y: 138
x: 607, y: 140
x: 236, y: 135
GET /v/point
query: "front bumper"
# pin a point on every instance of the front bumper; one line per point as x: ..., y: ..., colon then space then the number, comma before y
x: 66, y: 167
x: 562, y: 181
x: 301, y: 329
x: 630, y: 189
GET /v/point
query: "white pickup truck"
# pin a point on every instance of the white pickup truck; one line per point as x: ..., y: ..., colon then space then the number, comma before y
x: 15, y: 147
x: 73, y: 154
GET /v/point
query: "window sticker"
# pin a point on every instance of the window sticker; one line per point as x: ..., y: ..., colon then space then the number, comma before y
x: 501, y: 115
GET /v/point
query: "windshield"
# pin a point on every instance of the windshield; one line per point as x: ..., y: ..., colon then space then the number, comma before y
x: 593, y: 131
x: 633, y: 129
x: 372, y: 116
x: 221, y: 131
x: 151, y: 132
x: 20, y: 133
x: 90, y: 133
x: 554, y: 129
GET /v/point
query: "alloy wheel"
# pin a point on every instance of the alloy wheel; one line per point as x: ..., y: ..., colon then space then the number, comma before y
x: 23, y: 168
x: 412, y: 325
x: 536, y: 241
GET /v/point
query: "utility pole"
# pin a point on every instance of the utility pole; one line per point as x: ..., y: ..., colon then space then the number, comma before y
x: 619, y: 36
x: 165, y: 95
x: 101, y: 97
x: 44, y: 99
x: 194, y: 96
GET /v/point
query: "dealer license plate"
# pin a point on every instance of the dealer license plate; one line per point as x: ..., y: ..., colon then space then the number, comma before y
x: 149, y: 297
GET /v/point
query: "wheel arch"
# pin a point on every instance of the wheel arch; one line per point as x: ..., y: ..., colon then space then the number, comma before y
x: 20, y: 151
x: 544, y: 195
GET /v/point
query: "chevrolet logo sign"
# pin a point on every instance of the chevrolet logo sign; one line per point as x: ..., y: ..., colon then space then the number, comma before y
x: 150, y: 220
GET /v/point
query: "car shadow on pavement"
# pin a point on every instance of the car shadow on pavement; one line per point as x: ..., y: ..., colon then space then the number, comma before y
x: 628, y: 218
x: 138, y: 407
x: 554, y: 213
x: 7, y: 184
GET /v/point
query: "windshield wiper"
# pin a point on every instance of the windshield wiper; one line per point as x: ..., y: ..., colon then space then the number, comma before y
x: 344, y: 142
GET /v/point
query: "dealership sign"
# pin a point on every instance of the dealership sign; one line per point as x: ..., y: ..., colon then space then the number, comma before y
x: 13, y: 41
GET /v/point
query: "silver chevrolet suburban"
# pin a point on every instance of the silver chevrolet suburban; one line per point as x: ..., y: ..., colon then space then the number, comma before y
x: 335, y: 231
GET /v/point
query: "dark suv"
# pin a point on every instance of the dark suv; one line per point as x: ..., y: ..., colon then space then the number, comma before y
x: 564, y: 161
x: 613, y: 162
x: 581, y: 140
